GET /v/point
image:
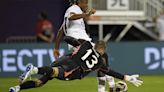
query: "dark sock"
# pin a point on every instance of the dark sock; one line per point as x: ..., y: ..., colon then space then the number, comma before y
x: 45, y: 70
x: 27, y: 85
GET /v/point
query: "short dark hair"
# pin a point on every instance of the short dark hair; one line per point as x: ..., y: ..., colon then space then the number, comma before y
x: 73, y: 1
x: 100, y: 44
x: 79, y: 1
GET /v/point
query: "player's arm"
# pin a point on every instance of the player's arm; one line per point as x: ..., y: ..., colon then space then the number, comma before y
x: 134, y: 79
x: 59, y: 36
x: 77, y: 16
x: 112, y: 73
x: 74, y: 16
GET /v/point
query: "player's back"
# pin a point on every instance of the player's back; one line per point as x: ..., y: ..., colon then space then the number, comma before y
x: 87, y: 58
x: 86, y: 61
x: 81, y: 63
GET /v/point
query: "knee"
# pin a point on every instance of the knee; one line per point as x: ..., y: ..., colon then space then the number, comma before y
x: 55, y: 72
x: 112, y: 85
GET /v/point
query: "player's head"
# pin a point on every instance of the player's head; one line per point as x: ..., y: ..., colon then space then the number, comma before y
x: 83, y: 4
x: 73, y: 2
x: 121, y: 86
x: 100, y: 46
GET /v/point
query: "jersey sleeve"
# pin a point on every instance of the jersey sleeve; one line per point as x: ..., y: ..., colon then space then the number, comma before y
x: 111, y: 72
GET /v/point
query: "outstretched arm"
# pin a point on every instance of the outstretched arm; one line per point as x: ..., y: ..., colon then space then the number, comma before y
x: 111, y: 72
x: 134, y: 79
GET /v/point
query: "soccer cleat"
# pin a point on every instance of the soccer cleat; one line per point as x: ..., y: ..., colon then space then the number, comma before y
x: 14, y: 89
x: 27, y: 73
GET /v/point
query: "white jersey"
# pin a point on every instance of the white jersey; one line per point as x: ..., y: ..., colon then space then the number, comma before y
x: 75, y: 28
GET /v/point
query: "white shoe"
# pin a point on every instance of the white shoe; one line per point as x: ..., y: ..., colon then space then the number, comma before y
x: 27, y: 73
x: 14, y: 89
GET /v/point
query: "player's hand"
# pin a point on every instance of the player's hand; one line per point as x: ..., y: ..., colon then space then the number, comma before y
x: 134, y: 79
x: 92, y: 11
x: 56, y: 53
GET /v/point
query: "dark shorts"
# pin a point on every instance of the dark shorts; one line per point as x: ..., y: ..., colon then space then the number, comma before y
x: 63, y: 75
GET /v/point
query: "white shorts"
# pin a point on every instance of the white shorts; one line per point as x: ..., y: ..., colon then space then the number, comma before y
x: 79, y: 34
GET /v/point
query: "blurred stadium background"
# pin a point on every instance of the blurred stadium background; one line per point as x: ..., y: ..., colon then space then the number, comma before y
x: 129, y: 27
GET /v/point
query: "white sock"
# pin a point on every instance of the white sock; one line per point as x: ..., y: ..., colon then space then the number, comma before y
x: 101, y: 88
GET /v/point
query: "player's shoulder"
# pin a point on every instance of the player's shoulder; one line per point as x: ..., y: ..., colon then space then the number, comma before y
x: 74, y: 8
x: 87, y: 44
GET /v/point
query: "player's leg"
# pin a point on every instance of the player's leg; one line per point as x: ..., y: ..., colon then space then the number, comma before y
x: 30, y: 70
x: 48, y: 73
x: 111, y: 83
x: 101, y: 84
x: 31, y: 84
x: 38, y: 83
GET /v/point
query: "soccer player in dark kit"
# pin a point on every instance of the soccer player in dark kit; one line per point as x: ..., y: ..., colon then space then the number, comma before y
x: 77, y: 65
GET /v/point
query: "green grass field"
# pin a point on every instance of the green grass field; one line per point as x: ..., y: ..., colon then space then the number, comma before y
x: 88, y: 84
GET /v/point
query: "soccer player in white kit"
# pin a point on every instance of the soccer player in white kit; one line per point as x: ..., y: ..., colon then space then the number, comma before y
x: 73, y: 24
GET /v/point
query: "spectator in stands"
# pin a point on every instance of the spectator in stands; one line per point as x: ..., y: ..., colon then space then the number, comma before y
x: 44, y: 29
x: 160, y: 26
